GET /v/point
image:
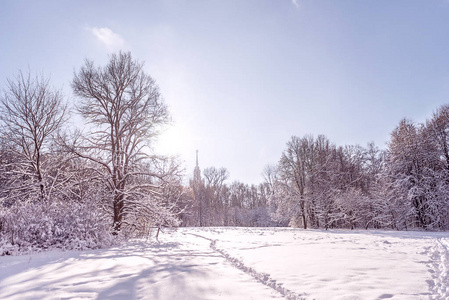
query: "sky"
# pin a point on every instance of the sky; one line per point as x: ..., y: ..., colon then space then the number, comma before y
x: 241, y: 77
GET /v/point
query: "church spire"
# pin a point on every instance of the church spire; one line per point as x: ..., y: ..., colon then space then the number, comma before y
x: 197, y: 158
x: 198, y: 190
x: 197, y: 171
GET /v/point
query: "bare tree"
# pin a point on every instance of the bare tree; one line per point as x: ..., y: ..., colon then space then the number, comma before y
x: 215, y: 177
x: 31, y: 112
x: 214, y: 202
x: 293, y: 172
x: 126, y: 111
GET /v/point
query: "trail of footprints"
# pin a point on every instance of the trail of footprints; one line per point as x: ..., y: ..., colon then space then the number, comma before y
x: 261, y: 277
x: 440, y: 264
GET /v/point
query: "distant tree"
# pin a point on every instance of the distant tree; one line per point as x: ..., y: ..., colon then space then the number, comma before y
x: 125, y: 110
x: 438, y: 129
x: 319, y: 185
x: 277, y: 194
x: 214, y: 201
x: 215, y: 177
x: 293, y: 173
x: 269, y: 174
x: 437, y: 132
x: 412, y: 167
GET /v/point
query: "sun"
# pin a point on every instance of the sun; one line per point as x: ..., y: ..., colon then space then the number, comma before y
x: 173, y: 140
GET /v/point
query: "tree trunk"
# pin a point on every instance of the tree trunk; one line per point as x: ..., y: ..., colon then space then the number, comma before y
x: 118, y: 212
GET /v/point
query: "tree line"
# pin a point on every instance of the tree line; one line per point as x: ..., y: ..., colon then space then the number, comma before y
x: 212, y: 202
x: 317, y: 184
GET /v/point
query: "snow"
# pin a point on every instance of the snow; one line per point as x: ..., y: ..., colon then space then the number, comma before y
x: 241, y: 263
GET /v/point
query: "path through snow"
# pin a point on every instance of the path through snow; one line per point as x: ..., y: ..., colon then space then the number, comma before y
x: 261, y: 277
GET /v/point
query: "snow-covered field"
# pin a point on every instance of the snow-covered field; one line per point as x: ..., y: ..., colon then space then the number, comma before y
x: 241, y: 263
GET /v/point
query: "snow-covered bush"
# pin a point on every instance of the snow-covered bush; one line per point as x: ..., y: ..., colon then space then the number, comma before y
x: 144, y: 215
x: 41, y: 226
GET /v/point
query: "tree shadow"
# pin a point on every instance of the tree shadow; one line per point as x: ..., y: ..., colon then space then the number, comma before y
x: 156, y: 271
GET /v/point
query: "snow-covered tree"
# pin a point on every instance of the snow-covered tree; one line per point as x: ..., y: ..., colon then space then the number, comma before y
x: 31, y: 112
x: 293, y: 174
x: 414, y: 167
x: 125, y: 111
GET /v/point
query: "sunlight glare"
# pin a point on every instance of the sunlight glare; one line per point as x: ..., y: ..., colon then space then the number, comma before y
x: 174, y: 140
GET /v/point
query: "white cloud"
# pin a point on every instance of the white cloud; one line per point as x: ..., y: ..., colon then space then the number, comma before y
x: 112, y: 41
x: 295, y: 3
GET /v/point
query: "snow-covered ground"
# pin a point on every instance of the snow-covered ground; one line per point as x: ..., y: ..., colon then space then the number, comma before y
x: 241, y: 263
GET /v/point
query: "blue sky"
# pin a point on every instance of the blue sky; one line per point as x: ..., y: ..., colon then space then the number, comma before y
x: 241, y: 77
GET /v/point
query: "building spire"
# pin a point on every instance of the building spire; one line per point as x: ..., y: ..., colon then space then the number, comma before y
x: 197, y: 158
x: 197, y: 171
